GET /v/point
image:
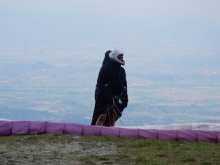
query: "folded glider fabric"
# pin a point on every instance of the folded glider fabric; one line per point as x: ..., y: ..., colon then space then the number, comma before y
x: 191, y: 132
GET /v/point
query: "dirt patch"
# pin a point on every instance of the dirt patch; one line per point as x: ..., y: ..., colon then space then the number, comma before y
x: 44, y: 152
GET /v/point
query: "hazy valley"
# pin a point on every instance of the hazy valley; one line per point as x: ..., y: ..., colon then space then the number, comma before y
x: 159, y: 93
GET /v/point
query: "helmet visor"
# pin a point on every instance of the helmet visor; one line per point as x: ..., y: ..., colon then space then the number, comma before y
x: 120, y: 57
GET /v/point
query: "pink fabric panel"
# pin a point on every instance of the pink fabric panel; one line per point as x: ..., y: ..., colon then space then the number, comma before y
x: 170, y: 135
x: 5, y: 128
x: 89, y: 130
x: 20, y: 127
x: 110, y: 131
x: 73, y: 129
x: 187, y: 135
x: 131, y: 133
x: 148, y: 133
x: 218, y: 136
x: 207, y: 136
x: 37, y: 127
x: 54, y: 128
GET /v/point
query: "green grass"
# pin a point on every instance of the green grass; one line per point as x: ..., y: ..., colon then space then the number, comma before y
x: 130, y: 151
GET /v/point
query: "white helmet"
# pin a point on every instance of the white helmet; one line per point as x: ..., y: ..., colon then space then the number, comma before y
x: 114, y: 56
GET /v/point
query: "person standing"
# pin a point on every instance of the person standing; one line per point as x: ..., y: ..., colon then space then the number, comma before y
x: 111, y: 96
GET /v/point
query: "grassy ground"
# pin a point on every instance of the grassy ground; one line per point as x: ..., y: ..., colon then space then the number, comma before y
x: 127, y: 150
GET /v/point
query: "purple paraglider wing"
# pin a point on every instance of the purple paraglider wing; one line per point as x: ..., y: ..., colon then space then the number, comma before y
x: 194, y: 132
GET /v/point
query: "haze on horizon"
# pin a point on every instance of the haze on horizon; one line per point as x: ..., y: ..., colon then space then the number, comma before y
x: 132, y: 26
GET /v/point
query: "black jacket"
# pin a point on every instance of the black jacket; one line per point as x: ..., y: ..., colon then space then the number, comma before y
x: 111, y: 82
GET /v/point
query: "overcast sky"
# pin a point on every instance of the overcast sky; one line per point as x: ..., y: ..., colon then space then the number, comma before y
x: 136, y: 26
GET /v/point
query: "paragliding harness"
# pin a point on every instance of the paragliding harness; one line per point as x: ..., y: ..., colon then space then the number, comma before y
x: 113, y: 109
x: 115, y: 105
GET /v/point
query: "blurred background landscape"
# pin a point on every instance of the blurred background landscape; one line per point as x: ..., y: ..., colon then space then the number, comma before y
x: 51, y: 53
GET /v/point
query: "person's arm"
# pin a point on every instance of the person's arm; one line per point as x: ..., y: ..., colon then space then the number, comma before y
x: 125, y: 84
x: 125, y: 95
